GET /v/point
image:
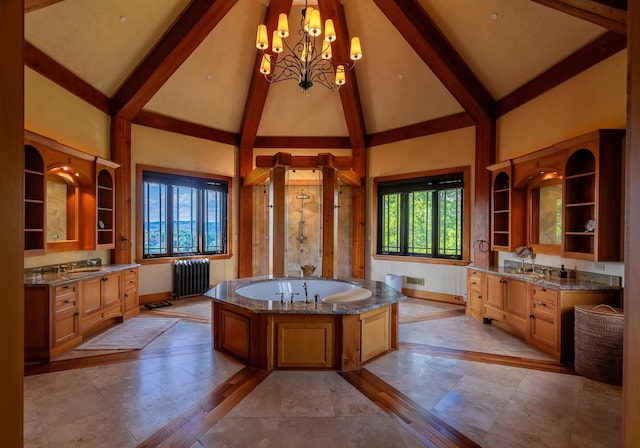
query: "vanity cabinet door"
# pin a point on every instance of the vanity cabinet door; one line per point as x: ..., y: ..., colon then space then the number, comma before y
x: 65, y: 325
x: 544, y: 333
x: 494, y: 298
x: 515, y: 306
x: 111, y: 298
x: 90, y: 303
x: 475, y: 283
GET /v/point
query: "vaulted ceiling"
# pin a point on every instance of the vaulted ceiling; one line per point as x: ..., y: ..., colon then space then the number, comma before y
x: 429, y: 65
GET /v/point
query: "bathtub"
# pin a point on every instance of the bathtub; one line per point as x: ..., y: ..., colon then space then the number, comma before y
x: 352, y: 322
x: 303, y: 290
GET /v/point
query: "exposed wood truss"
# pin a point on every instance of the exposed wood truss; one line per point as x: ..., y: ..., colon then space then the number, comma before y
x: 610, y: 14
x: 186, y: 34
x: 435, y: 50
x: 32, y: 5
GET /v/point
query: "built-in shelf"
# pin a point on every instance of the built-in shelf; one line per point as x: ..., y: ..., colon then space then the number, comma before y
x: 34, y: 205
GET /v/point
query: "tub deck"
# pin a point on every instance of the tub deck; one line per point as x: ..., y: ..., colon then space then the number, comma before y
x: 271, y: 335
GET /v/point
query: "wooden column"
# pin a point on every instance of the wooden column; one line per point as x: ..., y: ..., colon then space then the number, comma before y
x: 358, y: 215
x: 328, y: 220
x: 278, y: 175
x: 12, y: 226
x: 245, y: 215
x: 631, y: 369
x: 485, y: 155
x: 121, y: 153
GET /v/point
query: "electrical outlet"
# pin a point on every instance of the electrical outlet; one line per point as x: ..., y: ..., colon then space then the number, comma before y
x: 415, y: 281
x: 598, y: 266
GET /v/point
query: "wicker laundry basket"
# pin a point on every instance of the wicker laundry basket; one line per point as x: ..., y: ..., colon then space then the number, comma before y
x: 598, y: 342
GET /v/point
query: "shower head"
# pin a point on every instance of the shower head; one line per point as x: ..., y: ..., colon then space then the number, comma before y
x: 303, y: 195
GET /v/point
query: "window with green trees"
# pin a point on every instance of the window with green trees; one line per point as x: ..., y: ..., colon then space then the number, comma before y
x: 183, y: 215
x: 421, y: 217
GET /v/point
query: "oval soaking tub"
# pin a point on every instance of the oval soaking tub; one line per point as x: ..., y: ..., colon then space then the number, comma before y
x: 299, y: 290
x: 273, y: 323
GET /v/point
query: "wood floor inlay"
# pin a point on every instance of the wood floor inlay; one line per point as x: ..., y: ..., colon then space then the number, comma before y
x: 490, y: 358
x: 185, y: 430
x: 428, y: 428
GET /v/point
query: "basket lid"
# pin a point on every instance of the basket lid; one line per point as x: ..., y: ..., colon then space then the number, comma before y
x: 601, y: 309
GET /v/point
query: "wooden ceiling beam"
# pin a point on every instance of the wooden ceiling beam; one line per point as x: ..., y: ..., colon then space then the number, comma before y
x: 591, y: 54
x: 607, y: 14
x: 32, y: 5
x: 415, y: 25
x: 38, y: 61
x: 349, y: 93
x: 169, y: 124
x: 258, y: 90
x: 303, y: 142
x: 429, y: 127
x: 185, y: 35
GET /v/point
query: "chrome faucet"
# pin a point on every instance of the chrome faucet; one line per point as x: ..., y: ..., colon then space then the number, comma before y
x: 291, y: 296
x: 281, y: 296
x: 306, y: 294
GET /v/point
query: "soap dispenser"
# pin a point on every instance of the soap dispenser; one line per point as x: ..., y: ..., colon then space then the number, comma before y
x: 563, y: 273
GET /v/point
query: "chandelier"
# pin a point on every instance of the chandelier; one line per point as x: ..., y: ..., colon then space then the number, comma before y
x: 309, y: 60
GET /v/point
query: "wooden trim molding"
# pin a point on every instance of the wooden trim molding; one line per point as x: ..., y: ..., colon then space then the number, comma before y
x: 466, y: 216
x: 139, y: 214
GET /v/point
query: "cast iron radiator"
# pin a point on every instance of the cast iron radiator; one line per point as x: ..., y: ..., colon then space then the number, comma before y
x: 190, y: 277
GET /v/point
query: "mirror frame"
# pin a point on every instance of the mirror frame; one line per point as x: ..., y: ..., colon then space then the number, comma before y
x: 545, y: 177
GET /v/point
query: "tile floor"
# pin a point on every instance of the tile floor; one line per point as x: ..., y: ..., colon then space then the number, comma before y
x: 122, y: 404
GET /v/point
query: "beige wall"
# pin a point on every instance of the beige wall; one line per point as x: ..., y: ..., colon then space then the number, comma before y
x: 56, y: 113
x: 595, y: 99
x: 164, y: 149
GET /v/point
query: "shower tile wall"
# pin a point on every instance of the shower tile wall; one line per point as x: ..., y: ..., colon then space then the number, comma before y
x: 303, y: 228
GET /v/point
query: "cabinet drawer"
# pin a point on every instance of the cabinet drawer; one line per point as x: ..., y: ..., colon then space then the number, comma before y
x: 549, y: 296
x: 66, y: 291
x: 131, y: 277
x: 543, y: 310
x: 474, y: 281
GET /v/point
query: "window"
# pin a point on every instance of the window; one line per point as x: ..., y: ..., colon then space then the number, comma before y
x: 421, y: 216
x: 183, y: 215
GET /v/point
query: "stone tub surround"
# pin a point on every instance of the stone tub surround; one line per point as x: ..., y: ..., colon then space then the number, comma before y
x: 49, y: 275
x: 576, y: 281
x: 382, y: 295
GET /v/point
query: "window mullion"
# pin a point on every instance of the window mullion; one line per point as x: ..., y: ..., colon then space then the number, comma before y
x: 435, y: 214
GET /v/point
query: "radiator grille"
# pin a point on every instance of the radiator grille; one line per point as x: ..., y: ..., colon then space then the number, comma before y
x: 190, y: 277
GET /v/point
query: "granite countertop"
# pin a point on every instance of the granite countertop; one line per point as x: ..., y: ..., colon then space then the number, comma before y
x: 553, y: 281
x: 35, y: 277
x: 382, y: 295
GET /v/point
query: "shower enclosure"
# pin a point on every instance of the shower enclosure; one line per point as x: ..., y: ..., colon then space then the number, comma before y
x: 302, y: 224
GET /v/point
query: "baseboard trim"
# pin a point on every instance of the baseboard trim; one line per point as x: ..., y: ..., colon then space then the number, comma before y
x: 155, y: 297
x: 436, y: 296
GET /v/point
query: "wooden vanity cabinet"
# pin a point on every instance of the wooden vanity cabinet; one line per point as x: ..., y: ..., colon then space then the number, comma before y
x: 507, y: 209
x: 506, y: 303
x: 130, y: 298
x: 475, y: 288
x: 101, y: 301
x: 593, y: 194
x: 51, y: 321
x: 551, y: 317
x: 34, y: 193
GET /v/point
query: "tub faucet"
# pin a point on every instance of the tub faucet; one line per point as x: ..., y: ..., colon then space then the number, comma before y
x: 291, y: 296
x: 306, y: 294
x: 281, y: 296
x: 315, y: 298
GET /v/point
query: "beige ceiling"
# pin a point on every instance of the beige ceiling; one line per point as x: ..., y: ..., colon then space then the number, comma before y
x: 504, y: 42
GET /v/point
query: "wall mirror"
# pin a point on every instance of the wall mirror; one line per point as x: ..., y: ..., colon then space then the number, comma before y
x: 545, y: 215
x: 62, y: 210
